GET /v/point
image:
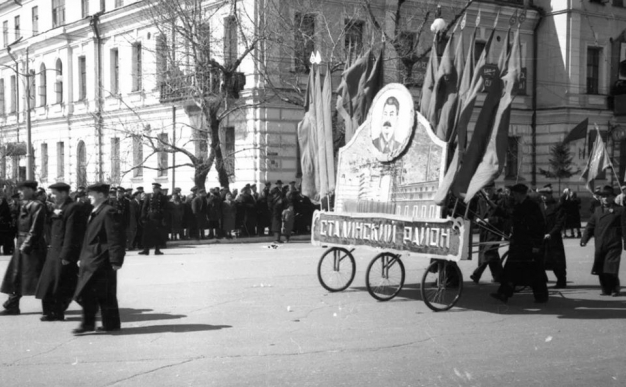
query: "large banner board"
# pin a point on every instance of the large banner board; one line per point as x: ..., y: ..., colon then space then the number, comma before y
x: 433, y: 238
x: 387, y: 176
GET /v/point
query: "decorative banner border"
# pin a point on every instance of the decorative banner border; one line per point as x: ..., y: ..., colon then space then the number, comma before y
x: 431, y: 238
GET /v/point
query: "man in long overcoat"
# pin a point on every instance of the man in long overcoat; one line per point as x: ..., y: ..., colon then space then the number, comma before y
x: 133, y: 231
x: 491, y: 217
x: 153, y: 215
x: 28, y: 258
x: 59, y: 276
x: 199, y: 210
x: 525, y: 263
x: 555, y: 216
x: 101, y: 255
x: 607, y: 225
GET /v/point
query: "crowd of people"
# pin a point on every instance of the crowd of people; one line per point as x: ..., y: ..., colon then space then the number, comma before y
x: 49, y: 233
x: 535, y: 223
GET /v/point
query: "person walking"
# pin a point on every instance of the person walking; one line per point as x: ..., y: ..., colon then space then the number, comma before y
x: 59, y: 276
x: 491, y: 220
x: 554, y: 251
x: 606, y: 225
x: 24, y: 269
x: 525, y: 263
x: 101, y: 256
x: 153, y: 215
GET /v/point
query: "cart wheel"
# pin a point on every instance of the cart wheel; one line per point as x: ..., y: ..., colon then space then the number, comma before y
x: 336, y: 269
x: 385, y: 276
x: 442, y: 285
x: 516, y: 288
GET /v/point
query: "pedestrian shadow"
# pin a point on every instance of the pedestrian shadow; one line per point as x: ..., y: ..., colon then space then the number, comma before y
x: 563, y: 303
x: 137, y: 315
x: 176, y: 328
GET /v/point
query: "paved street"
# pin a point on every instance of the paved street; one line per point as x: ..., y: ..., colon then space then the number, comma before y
x: 246, y: 315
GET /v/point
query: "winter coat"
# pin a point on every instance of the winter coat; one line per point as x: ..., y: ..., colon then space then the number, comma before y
x: 24, y: 269
x: 554, y: 251
x: 177, y: 213
x: 229, y: 213
x: 606, y: 225
x: 67, y: 230
x: 102, y: 246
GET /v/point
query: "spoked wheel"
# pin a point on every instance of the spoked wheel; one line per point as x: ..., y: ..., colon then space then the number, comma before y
x: 442, y: 285
x: 385, y: 276
x: 336, y: 269
x: 516, y: 288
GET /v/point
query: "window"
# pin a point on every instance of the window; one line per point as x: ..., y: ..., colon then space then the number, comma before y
x: 119, y: 3
x: 115, y: 71
x: 115, y: 159
x: 304, y: 41
x: 2, y: 111
x: 58, y: 85
x: 58, y: 13
x: 512, y: 158
x: 81, y: 165
x: 5, y: 33
x: 479, y: 47
x: 43, y: 90
x: 82, y: 78
x: 137, y: 67
x: 84, y: 8
x: 137, y: 156
x: 163, y: 156
x: 35, y: 20
x: 230, y: 39
x: 229, y: 150
x: 161, y: 58
x: 103, y: 5
x: 18, y: 33
x: 593, y: 69
x: 13, y: 94
x: 60, y: 160
x: 44, y: 161
x: 354, y: 35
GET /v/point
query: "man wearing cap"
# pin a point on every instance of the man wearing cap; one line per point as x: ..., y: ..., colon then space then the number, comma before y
x: 153, y: 215
x: 607, y: 225
x: 101, y: 255
x: 133, y: 231
x: 525, y: 263
x: 554, y: 252
x: 24, y: 269
x: 59, y: 276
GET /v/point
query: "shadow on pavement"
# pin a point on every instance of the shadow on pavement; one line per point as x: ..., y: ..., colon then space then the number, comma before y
x: 177, y: 328
x: 135, y: 315
x: 563, y: 303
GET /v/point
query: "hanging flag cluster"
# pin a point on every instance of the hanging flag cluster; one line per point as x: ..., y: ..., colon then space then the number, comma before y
x: 360, y: 82
x: 315, y: 134
x: 448, y: 99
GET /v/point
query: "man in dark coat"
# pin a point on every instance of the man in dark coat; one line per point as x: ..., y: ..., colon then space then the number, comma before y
x: 28, y: 258
x: 101, y: 255
x: 59, y: 276
x: 607, y: 225
x: 262, y: 210
x: 276, y: 208
x: 554, y: 252
x: 199, y: 210
x: 133, y: 231
x: 214, y: 213
x: 491, y: 219
x: 153, y: 215
x: 525, y: 263
x: 248, y: 205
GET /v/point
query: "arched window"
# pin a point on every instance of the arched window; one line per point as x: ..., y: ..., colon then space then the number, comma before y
x: 43, y: 86
x: 58, y: 85
x: 81, y: 164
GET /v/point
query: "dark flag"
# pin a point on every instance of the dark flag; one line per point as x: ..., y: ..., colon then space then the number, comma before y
x: 429, y: 80
x: 579, y: 132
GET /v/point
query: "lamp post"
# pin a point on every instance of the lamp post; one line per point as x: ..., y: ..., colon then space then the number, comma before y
x: 27, y: 74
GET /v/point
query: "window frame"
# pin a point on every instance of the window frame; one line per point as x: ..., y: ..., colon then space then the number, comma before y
x: 82, y: 78
x: 137, y: 63
x: 593, y: 80
x: 58, y: 13
x: 34, y: 14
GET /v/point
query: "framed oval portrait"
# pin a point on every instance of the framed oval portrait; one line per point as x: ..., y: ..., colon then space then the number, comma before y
x: 392, y: 121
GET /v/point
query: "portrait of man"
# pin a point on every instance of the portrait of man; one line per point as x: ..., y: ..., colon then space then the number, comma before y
x: 386, y: 141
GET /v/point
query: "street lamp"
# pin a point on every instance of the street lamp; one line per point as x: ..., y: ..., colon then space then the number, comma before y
x: 27, y: 74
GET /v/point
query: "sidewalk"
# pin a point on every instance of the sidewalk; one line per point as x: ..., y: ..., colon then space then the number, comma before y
x: 234, y: 240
